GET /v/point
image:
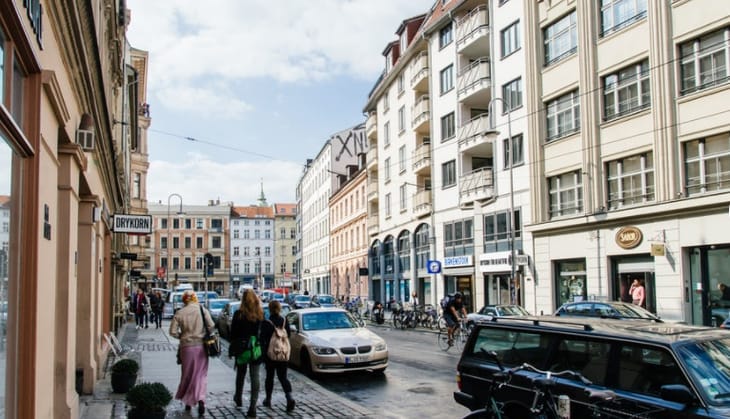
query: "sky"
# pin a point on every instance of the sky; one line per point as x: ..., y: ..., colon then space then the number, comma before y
x: 242, y: 92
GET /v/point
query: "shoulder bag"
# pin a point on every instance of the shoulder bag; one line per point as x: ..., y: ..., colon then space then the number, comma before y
x: 252, y: 351
x: 211, y: 343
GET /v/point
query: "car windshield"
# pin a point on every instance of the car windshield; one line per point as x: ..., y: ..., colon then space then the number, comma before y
x: 631, y: 311
x: 277, y: 296
x: 218, y: 305
x: 512, y: 311
x: 327, y: 320
x: 326, y: 299
x: 284, y: 310
x: 302, y: 298
x: 708, y: 363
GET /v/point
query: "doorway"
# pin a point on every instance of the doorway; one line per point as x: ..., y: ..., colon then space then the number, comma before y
x: 626, y: 270
x: 709, y: 268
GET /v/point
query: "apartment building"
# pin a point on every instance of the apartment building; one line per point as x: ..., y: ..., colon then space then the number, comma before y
x: 314, y: 189
x: 182, y: 235
x: 628, y: 101
x: 458, y: 188
x: 348, y: 234
x: 252, y: 246
x: 285, y: 245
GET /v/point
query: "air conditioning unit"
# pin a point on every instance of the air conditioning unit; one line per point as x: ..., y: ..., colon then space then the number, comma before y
x: 85, y: 139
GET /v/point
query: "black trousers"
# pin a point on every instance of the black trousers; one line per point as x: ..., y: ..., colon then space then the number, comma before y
x: 281, y: 368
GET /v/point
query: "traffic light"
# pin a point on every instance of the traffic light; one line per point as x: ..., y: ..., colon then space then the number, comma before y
x: 208, y: 259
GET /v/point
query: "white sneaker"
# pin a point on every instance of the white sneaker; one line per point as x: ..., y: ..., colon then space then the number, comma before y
x: 136, y: 327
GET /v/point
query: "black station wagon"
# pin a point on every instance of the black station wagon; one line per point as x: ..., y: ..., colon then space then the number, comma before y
x: 656, y: 370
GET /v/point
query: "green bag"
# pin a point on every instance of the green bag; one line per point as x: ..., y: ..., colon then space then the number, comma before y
x: 251, y: 353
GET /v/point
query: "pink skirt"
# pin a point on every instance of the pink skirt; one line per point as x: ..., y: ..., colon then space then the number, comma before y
x: 194, y: 378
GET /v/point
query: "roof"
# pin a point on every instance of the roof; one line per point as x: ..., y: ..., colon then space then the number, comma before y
x: 4, y: 199
x: 285, y: 209
x: 252, y: 212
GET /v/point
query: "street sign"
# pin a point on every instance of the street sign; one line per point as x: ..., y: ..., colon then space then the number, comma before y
x: 130, y: 256
x: 133, y: 224
x: 433, y: 266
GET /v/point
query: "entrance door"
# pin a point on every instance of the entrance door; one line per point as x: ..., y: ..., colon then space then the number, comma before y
x: 497, y: 289
x: 626, y: 270
x: 709, y: 268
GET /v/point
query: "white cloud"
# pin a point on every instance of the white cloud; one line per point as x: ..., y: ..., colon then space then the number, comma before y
x: 202, y: 101
x: 240, y: 183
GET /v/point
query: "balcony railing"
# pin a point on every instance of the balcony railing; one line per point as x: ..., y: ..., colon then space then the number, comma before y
x: 421, y: 157
x: 422, y: 203
x: 419, y: 69
x: 420, y: 112
x: 474, y: 133
x: 476, y: 185
x: 372, y: 156
x: 472, y: 26
x: 371, y: 125
x: 372, y: 189
x: 373, y: 223
x: 474, y: 74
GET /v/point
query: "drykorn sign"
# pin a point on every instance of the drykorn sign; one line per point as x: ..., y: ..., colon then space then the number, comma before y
x: 132, y: 224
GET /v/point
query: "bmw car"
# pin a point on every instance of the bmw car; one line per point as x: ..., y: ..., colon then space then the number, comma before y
x: 330, y: 340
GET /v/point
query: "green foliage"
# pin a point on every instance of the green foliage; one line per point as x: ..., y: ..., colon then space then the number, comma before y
x: 125, y: 366
x: 149, y: 397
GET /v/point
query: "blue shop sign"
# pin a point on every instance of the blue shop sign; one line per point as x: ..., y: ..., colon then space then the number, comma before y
x: 454, y: 261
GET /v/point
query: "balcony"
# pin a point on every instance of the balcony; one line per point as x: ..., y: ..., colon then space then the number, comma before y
x: 371, y: 157
x: 472, y: 33
x: 477, y: 136
x: 371, y: 125
x: 473, y: 84
x: 421, y: 115
x: 373, y: 189
x: 422, y: 203
x: 477, y: 185
x: 373, y: 224
x: 422, y: 158
x: 419, y: 69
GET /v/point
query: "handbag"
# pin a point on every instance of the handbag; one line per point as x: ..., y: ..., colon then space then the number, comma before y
x: 252, y: 352
x: 211, y: 343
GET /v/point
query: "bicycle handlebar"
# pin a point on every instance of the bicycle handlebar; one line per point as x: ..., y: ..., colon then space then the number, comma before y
x: 550, y: 374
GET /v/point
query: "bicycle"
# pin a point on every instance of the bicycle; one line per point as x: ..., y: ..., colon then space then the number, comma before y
x: 460, y: 335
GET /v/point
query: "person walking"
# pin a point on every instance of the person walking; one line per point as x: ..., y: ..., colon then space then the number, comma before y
x: 141, y: 304
x: 280, y: 367
x: 188, y: 325
x: 152, y: 298
x: 246, y: 323
x: 158, y: 309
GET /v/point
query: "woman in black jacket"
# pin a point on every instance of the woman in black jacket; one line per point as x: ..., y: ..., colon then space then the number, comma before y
x: 267, y: 330
x: 247, y: 322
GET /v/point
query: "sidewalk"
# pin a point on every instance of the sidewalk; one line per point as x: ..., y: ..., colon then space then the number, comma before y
x: 155, y: 350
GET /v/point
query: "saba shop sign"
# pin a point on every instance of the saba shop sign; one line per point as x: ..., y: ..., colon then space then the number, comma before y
x: 132, y: 224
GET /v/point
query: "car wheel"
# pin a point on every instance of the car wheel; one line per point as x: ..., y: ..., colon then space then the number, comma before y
x: 306, y: 363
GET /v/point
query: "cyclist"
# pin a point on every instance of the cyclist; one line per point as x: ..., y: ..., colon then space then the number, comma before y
x: 454, y: 310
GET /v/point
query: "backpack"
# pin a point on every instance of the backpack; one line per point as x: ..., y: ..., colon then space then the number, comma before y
x: 446, y: 300
x: 279, y: 347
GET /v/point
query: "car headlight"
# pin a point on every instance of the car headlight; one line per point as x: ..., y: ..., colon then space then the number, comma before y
x: 381, y: 346
x: 322, y: 350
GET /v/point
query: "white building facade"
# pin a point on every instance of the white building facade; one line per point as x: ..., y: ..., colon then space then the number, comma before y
x: 252, y: 247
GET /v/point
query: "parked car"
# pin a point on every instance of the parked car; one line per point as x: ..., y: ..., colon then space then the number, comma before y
x: 302, y: 301
x: 215, y: 306
x: 663, y: 371
x: 226, y: 317
x: 330, y: 340
x: 289, y: 298
x: 607, y: 310
x: 285, y: 309
x: 324, y: 300
x: 496, y: 310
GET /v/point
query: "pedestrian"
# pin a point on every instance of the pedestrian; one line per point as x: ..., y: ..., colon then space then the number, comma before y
x: 158, y: 309
x: 638, y: 294
x: 141, y: 304
x: 280, y: 367
x: 152, y: 298
x: 415, y: 300
x: 246, y: 323
x: 188, y: 325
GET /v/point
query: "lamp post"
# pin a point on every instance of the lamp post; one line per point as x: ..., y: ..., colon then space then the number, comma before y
x: 510, y: 150
x: 169, y: 242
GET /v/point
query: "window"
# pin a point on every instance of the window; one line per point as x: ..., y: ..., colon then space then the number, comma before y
x: 401, y: 119
x: 570, y: 276
x: 402, y: 159
x: 517, y: 151
x: 235, y: 268
x: 188, y: 263
x: 163, y: 223
x: 459, y: 238
x: 448, y: 128
x: 626, y: 91
x: 198, y: 242
x: 563, y: 115
x: 267, y: 234
x: 387, y: 205
x: 512, y: 95
x: 404, y: 252
x: 176, y: 242
x: 188, y: 223
x: 386, y: 170
x: 447, y: 79
x: 216, y: 224
x: 630, y: 180
x: 561, y: 38
x: 247, y: 268
x: 199, y: 223
x: 257, y: 234
x: 293, y: 232
x: 136, y: 186
x: 188, y: 242
x: 448, y: 173
x: 402, y: 196
x: 510, y: 39
x: 216, y: 242
x: 267, y: 266
x: 707, y: 164
x: 566, y: 194
x: 163, y: 262
x: 616, y: 14
x: 386, y: 102
x: 246, y: 234
x: 235, y: 251
x: 386, y: 134
x: 235, y: 234
x: 401, y: 82
x: 704, y: 61
x: 497, y: 228
x: 175, y: 263
x: 445, y: 36
x: 247, y: 251
x: 175, y: 223
x: 282, y: 233
x: 267, y: 251
x: 163, y: 242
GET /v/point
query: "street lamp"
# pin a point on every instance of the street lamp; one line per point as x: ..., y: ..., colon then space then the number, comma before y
x: 511, y: 159
x: 169, y: 242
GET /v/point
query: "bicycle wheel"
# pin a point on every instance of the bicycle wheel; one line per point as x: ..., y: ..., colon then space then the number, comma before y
x: 442, y: 323
x: 396, y: 320
x: 443, y: 340
x: 459, y: 339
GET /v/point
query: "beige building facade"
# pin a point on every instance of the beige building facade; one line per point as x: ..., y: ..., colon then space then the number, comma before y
x: 285, y: 242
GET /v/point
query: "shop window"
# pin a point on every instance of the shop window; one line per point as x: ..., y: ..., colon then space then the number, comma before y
x: 570, y: 277
x: 459, y: 238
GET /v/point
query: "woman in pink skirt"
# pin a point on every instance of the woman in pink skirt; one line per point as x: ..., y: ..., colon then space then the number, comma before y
x: 187, y: 325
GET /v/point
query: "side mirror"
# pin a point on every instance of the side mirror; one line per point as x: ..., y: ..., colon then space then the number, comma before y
x: 678, y: 393
x: 293, y: 328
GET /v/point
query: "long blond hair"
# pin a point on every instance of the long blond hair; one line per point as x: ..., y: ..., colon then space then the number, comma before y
x: 251, y: 306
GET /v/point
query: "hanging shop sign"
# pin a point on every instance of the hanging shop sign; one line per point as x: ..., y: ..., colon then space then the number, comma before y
x: 132, y: 224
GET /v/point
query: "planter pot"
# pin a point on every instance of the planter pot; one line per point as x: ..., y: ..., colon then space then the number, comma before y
x: 140, y: 414
x: 121, y: 383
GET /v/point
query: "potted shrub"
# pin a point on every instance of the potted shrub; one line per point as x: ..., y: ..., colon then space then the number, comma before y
x: 124, y: 375
x: 148, y: 401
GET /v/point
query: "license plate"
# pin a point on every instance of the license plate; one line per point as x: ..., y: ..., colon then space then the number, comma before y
x: 352, y: 359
